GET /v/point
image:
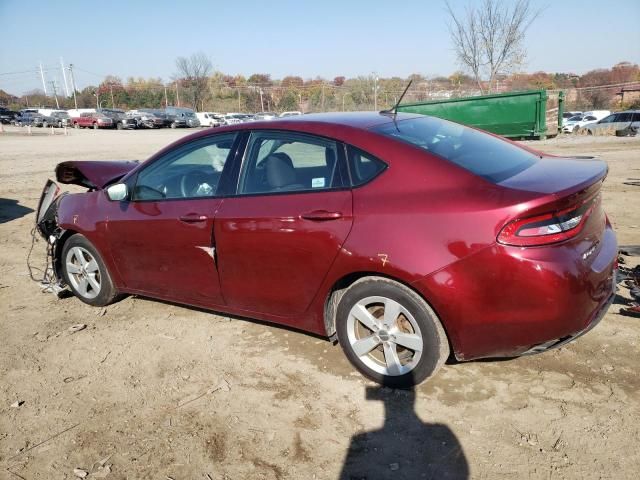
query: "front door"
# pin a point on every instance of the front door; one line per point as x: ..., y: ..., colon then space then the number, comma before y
x: 278, y: 237
x: 162, y: 238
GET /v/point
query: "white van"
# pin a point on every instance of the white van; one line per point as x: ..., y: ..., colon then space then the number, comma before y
x: 75, y: 113
x: 209, y: 119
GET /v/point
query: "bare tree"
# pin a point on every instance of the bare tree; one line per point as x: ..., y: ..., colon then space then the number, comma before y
x: 488, y: 39
x: 193, y: 75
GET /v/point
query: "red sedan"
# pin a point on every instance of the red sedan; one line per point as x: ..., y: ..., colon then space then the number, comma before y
x: 406, y: 238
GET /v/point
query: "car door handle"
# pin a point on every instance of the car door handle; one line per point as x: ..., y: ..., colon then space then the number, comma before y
x: 193, y: 218
x: 321, y: 215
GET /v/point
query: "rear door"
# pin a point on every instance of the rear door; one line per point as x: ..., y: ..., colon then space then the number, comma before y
x: 162, y: 240
x: 278, y: 236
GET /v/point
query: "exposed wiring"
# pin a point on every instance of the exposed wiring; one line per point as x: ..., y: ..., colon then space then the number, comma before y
x: 46, y: 276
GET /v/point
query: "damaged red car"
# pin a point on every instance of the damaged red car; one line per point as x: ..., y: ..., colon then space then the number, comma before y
x: 405, y: 238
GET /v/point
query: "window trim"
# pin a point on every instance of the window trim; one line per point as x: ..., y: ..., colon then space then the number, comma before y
x: 191, y: 146
x: 375, y: 157
x: 340, y: 169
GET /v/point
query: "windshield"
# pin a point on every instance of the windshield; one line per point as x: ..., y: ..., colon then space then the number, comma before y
x: 490, y: 157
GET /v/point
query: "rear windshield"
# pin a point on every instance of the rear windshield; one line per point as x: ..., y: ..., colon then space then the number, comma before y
x: 489, y: 157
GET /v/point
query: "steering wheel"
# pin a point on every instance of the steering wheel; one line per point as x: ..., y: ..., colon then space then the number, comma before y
x: 190, y: 182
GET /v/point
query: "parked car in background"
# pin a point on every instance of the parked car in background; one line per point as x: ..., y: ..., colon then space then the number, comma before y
x: 182, y: 117
x: 146, y: 119
x: 209, y: 119
x: 612, y: 123
x: 120, y: 118
x: 159, y: 113
x: 342, y: 225
x: 576, y: 122
x: 7, y: 116
x: 568, y: 115
x: 232, y: 118
x: 28, y: 117
x: 92, y: 120
x: 290, y: 114
x: 60, y: 118
x: 266, y: 116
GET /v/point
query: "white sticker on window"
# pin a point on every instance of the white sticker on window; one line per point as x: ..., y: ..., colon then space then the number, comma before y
x: 317, y: 182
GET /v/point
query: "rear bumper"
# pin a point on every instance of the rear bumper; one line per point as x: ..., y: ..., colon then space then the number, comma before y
x: 559, y: 342
x: 508, y: 301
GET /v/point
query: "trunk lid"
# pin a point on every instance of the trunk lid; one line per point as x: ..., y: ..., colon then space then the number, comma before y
x: 558, y: 175
x: 93, y: 174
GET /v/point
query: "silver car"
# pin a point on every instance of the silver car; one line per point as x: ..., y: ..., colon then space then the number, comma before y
x: 612, y: 123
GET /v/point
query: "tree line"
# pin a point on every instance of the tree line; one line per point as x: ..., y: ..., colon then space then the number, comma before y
x: 217, y: 91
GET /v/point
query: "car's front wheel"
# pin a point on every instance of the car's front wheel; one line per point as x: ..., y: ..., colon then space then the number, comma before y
x: 389, y: 333
x: 85, y: 272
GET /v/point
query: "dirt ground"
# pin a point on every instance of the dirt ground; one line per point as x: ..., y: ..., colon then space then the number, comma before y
x: 158, y: 391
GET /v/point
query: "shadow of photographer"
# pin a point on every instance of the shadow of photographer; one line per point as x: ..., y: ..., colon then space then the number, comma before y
x: 405, y: 447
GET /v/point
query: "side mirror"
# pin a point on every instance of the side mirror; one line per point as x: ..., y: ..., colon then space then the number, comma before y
x: 117, y: 192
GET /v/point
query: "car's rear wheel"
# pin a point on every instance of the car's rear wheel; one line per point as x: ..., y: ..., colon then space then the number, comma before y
x: 85, y: 272
x: 389, y: 333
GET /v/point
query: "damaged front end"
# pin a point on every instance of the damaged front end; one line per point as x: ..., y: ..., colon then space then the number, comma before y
x: 92, y: 175
x: 48, y: 228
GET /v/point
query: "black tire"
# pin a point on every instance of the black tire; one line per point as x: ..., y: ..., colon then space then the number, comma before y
x: 106, y: 293
x: 435, y: 346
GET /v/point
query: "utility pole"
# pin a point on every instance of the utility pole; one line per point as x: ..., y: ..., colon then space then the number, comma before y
x: 166, y: 99
x: 261, y: 101
x: 239, y: 107
x: 375, y: 92
x: 322, y: 102
x: 97, y: 94
x: 73, y: 85
x: 64, y: 77
x: 113, y: 104
x: 177, y: 94
x: 55, y: 92
x: 44, y: 85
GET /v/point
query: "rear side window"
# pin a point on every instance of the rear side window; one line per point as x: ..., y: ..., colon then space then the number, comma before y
x: 489, y: 157
x: 362, y: 166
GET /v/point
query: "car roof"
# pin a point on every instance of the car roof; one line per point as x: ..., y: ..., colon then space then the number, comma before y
x: 351, y: 127
x: 361, y: 120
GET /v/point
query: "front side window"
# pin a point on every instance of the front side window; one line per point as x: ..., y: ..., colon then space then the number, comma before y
x: 192, y: 171
x: 286, y: 162
x: 624, y: 117
x: 608, y: 119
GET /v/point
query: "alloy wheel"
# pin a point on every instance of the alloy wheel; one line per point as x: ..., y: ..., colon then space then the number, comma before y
x: 384, y: 335
x: 83, y: 272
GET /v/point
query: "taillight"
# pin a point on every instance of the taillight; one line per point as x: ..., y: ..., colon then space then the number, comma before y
x: 548, y: 227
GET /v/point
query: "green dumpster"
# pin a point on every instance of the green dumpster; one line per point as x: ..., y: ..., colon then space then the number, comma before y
x: 530, y: 114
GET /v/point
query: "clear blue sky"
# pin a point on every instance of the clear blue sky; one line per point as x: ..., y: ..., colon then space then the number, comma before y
x: 282, y: 37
